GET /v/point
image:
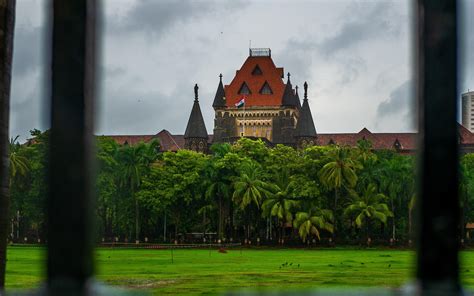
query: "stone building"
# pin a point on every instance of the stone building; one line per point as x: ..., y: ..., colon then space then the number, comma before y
x: 257, y: 103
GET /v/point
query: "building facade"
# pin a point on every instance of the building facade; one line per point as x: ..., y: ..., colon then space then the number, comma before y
x: 259, y: 104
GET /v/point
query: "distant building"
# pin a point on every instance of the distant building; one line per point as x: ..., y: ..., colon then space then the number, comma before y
x: 258, y: 104
x: 467, y: 110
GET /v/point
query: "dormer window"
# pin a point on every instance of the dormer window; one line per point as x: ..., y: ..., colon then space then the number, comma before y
x: 266, y: 90
x: 244, y: 89
x: 257, y: 71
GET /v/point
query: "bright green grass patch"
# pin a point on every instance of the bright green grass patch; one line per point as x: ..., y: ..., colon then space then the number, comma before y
x: 203, y: 272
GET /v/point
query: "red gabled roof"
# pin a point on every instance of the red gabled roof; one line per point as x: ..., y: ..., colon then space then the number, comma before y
x: 170, y: 142
x: 379, y: 140
x: 270, y: 73
x: 131, y: 139
x: 167, y: 141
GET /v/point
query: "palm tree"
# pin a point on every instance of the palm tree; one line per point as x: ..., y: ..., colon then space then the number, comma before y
x: 250, y: 189
x: 280, y: 203
x: 7, y: 25
x: 411, y: 207
x: 19, y: 164
x: 219, y: 184
x: 312, y: 222
x: 134, y: 162
x: 221, y: 189
x: 397, y: 182
x: 339, y: 171
x: 368, y: 206
x: 364, y: 151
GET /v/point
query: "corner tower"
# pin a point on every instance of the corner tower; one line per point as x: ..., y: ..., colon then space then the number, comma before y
x: 195, y: 137
x: 305, y: 133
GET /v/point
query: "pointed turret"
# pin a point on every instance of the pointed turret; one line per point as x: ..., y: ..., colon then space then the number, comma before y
x: 195, y: 137
x: 219, y: 99
x: 298, y: 98
x: 289, y: 98
x: 305, y: 132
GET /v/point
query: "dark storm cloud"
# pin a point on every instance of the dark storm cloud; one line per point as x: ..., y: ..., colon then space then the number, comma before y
x: 360, y: 23
x: 156, y: 17
x: 400, y: 102
x: 365, y: 22
x: 27, y: 49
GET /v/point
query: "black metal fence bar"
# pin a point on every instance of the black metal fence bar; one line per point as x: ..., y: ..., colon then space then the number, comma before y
x: 437, y: 267
x: 70, y: 227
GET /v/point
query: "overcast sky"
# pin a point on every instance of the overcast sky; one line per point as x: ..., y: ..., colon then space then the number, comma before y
x: 355, y: 56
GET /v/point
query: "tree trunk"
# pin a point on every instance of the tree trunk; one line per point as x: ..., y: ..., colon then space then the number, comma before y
x: 335, y: 215
x: 219, y: 232
x: 164, y: 228
x: 7, y: 25
x: 409, y: 224
x: 393, y: 220
x: 137, y: 226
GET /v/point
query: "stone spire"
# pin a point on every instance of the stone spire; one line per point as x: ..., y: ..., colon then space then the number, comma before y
x: 195, y: 137
x: 289, y: 98
x: 305, y: 132
x: 219, y: 99
x: 297, y: 98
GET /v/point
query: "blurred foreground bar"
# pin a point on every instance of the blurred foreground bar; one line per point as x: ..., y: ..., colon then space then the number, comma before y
x: 70, y: 227
x: 438, y: 203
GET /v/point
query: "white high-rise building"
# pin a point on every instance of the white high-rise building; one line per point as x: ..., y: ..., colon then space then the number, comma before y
x: 468, y: 110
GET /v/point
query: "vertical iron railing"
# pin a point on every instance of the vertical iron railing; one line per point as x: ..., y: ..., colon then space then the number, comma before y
x: 70, y: 227
x: 436, y: 58
x: 7, y: 20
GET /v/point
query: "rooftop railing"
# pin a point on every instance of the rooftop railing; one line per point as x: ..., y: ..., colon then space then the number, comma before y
x: 260, y: 52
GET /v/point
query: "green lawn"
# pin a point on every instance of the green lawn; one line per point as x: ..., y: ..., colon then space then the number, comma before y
x: 203, y: 272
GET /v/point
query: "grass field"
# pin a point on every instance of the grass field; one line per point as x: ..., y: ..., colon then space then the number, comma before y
x: 209, y: 272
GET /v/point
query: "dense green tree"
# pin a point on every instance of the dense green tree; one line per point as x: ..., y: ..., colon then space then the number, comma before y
x: 134, y: 163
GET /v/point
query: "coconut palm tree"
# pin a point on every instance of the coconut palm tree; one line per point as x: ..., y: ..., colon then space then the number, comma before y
x: 19, y: 164
x: 7, y: 25
x: 396, y: 180
x: 312, y: 222
x: 280, y: 203
x: 250, y: 189
x: 368, y: 206
x: 218, y: 189
x: 134, y: 163
x: 339, y: 171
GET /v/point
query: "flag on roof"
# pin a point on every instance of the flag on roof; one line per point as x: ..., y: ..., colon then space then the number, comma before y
x: 240, y: 103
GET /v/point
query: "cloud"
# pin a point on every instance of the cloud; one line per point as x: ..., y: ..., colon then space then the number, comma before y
x: 147, y: 112
x: 365, y: 22
x: 400, y: 102
x: 28, y: 48
x: 155, y: 18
